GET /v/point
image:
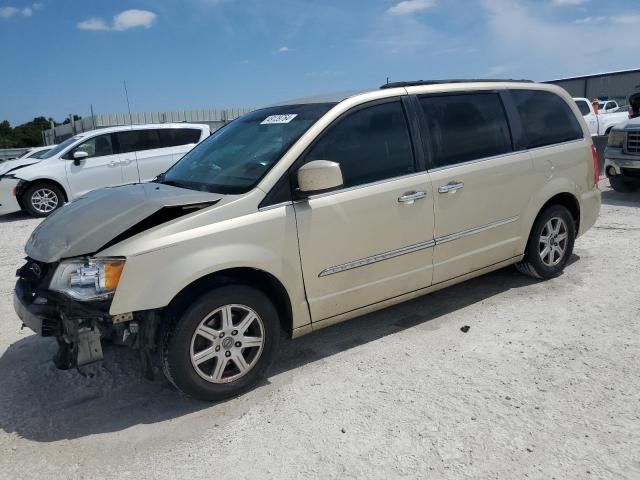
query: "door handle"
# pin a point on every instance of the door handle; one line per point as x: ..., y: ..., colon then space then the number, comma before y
x: 410, y: 197
x: 126, y: 161
x: 450, y: 187
x: 114, y: 163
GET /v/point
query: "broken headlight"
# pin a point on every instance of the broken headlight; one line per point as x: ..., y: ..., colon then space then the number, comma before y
x: 88, y: 279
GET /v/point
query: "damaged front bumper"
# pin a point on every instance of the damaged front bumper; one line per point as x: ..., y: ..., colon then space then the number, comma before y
x: 79, y: 327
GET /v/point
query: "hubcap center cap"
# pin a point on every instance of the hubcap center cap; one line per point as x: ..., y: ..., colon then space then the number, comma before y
x: 227, y: 342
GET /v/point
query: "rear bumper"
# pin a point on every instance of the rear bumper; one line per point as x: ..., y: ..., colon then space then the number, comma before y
x: 8, y: 202
x: 590, y: 203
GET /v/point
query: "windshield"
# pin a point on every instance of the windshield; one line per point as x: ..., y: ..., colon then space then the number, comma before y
x: 61, y: 147
x: 39, y: 154
x: 236, y: 157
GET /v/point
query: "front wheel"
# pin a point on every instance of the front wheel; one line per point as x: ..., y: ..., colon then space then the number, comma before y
x: 42, y: 199
x: 550, y: 243
x: 223, y: 344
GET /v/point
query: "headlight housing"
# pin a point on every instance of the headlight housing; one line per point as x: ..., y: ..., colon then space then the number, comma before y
x: 88, y: 279
x: 616, y: 139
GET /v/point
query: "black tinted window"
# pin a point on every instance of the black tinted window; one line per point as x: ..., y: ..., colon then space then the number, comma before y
x: 584, y: 107
x: 137, y: 140
x: 95, y: 147
x: 466, y: 127
x: 371, y: 144
x: 546, y: 118
x: 173, y: 137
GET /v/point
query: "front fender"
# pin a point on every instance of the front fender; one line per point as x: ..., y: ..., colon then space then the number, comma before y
x: 152, y: 279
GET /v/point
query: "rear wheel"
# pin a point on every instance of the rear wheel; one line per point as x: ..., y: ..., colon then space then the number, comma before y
x: 550, y: 244
x: 223, y: 344
x: 42, y: 199
x: 620, y: 185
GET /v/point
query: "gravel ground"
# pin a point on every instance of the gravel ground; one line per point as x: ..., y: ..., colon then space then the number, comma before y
x: 544, y: 384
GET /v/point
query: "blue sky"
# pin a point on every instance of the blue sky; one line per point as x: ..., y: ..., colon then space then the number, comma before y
x: 60, y: 56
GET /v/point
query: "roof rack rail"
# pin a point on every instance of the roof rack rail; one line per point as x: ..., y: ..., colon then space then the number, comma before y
x: 455, y: 80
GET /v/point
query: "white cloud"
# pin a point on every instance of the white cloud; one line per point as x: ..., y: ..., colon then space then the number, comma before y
x: 123, y: 21
x: 284, y: 49
x: 629, y: 19
x: 517, y: 30
x: 93, y: 24
x: 8, y: 12
x: 133, y: 19
x: 568, y: 3
x: 409, y: 7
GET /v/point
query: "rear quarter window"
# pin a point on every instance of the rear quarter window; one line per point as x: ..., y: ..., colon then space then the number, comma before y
x: 546, y: 118
x: 174, y: 137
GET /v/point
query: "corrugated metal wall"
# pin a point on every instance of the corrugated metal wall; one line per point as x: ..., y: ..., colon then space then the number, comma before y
x: 614, y: 86
x: 214, y: 118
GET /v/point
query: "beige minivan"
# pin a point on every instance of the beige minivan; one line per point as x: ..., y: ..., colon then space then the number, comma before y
x: 304, y: 214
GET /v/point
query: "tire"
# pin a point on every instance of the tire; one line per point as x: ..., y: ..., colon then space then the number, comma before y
x: 620, y: 185
x: 201, y: 353
x: 42, y: 199
x: 546, y: 255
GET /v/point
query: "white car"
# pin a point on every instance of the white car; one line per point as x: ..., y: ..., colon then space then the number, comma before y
x: 599, y: 123
x: 99, y: 158
x: 32, y: 155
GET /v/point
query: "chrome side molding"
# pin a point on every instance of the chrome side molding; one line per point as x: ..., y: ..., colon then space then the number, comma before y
x: 379, y: 257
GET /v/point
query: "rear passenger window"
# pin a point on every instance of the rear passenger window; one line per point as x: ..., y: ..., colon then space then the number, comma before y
x: 174, y: 137
x: 138, y: 140
x: 466, y: 127
x: 584, y: 107
x: 546, y: 118
x: 370, y: 144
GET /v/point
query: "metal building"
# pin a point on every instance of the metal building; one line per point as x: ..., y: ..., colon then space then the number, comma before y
x: 616, y: 86
x: 215, y: 118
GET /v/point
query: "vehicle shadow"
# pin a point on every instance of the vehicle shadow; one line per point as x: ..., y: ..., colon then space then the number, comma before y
x: 618, y: 199
x: 15, y: 217
x: 41, y: 403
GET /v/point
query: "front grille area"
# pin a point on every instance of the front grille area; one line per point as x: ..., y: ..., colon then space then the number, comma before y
x: 633, y: 142
x: 631, y: 172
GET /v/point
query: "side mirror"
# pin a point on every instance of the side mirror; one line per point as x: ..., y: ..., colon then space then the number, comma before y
x: 319, y: 176
x: 79, y: 156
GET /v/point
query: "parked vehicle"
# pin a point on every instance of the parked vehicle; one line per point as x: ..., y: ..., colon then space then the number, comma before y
x: 622, y: 156
x: 31, y: 156
x: 608, y: 106
x: 302, y: 215
x: 99, y: 158
x: 598, y: 123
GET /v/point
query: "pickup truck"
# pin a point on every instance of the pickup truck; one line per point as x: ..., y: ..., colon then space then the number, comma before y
x: 599, y: 123
x: 622, y: 156
x: 608, y: 106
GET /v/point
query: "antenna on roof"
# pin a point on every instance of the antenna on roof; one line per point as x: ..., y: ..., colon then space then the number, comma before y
x: 387, y: 80
x: 126, y: 95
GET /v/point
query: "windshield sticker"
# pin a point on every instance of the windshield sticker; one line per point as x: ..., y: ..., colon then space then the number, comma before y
x: 271, y: 119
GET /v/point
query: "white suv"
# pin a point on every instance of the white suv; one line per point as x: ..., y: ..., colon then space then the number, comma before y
x: 302, y: 215
x: 90, y: 160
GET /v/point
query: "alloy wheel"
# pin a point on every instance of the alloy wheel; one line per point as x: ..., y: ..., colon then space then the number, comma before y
x: 552, y: 244
x: 44, y: 200
x: 227, y: 343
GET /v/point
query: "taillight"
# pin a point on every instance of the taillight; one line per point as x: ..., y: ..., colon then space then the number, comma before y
x: 596, y: 165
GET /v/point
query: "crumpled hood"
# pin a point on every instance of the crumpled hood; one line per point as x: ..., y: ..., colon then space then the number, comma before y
x: 87, y: 224
x: 9, y: 165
